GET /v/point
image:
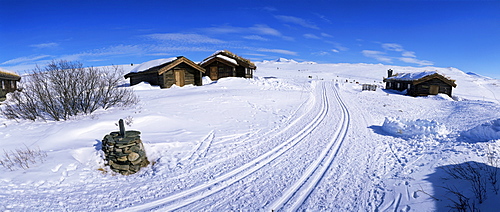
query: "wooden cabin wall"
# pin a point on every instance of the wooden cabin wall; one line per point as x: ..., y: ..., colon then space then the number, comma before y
x: 7, y: 86
x: 240, y: 71
x: 423, y: 89
x: 151, y: 78
x: 399, y: 85
x: 223, y: 70
x: 249, y: 73
x: 191, y: 76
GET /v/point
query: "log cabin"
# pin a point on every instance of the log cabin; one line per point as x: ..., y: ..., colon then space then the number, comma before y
x: 420, y: 83
x: 178, y: 71
x: 227, y: 64
x: 8, y: 83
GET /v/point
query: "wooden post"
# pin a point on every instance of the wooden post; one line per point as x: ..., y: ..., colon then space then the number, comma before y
x: 122, y: 128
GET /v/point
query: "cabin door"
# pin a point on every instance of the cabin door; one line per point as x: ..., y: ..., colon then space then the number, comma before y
x: 179, y: 77
x: 434, y: 89
x: 214, y: 73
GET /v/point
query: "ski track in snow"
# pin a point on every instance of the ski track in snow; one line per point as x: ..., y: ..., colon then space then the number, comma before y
x: 302, y: 187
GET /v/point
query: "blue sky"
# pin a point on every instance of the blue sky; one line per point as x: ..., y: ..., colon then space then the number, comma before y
x: 461, y: 34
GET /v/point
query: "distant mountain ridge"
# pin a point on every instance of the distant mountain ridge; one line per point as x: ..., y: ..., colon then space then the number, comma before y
x: 282, y: 60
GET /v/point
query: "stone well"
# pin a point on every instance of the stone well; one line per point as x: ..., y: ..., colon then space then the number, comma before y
x: 124, y: 151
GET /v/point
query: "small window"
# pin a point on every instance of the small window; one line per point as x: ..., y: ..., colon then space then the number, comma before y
x: 409, y: 86
x: 398, y: 85
x: 3, y: 85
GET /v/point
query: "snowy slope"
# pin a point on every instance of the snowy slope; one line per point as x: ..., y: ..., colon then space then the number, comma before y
x: 297, y: 136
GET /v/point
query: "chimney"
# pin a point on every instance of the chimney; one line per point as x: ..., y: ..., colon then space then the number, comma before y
x: 389, y: 73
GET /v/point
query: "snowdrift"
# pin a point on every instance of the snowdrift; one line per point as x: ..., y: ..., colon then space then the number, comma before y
x: 413, y: 128
x: 484, y: 132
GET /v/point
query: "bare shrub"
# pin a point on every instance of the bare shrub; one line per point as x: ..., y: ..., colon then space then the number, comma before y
x: 461, y: 203
x: 63, y: 89
x: 22, y: 158
x: 473, y: 173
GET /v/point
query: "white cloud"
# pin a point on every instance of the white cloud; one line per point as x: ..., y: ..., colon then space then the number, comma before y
x: 321, y: 53
x: 311, y: 36
x: 255, y: 37
x: 279, y: 51
x: 322, y: 17
x: 269, y: 9
x: 185, y: 38
x: 326, y: 35
x: 416, y: 61
x: 338, y: 46
x: 295, y: 20
x: 380, y: 56
x: 265, y: 30
x: 392, y: 47
x: 259, y: 29
x: 408, y: 54
x: 162, y: 48
x: 25, y: 59
x: 45, y: 45
x: 335, y: 50
x: 224, y: 29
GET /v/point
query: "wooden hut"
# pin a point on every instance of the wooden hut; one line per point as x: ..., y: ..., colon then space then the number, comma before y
x: 420, y: 83
x: 8, y: 83
x: 167, y: 72
x: 226, y: 64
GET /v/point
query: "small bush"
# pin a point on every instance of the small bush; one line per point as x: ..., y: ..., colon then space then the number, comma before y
x: 22, y: 158
x: 63, y: 89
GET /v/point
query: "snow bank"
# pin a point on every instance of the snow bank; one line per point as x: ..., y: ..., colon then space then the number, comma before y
x: 409, y: 128
x: 145, y: 86
x: 439, y: 97
x: 206, y: 80
x: 484, y: 132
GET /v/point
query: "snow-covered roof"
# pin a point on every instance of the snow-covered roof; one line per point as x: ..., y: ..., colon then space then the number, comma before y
x: 8, y: 75
x: 226, y: 58
x: 151, y: 64
x: 412, y: 76
x: 230, y: 57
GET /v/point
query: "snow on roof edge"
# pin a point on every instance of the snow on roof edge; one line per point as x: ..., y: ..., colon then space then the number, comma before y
x: 412, y: 76
x: 151, y: 64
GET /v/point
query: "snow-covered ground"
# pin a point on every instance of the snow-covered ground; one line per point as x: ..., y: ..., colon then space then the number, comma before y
x: 296, y: 136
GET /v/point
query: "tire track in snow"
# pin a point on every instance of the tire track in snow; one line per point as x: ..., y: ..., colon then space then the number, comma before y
x: 302, y: 188
x: 217, y: 184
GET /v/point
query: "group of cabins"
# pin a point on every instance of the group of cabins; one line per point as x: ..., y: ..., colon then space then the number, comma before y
x: 181, y: 71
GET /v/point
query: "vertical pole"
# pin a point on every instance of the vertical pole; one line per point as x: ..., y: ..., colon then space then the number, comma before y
x: 122, y: 128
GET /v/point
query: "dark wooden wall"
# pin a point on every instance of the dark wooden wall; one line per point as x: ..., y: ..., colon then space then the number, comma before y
x: 151, y: 78
x: 244, y: 72
x: 191, y: 76
x: 421, y: 89
x: 7, y: 86
x: 223, y: 70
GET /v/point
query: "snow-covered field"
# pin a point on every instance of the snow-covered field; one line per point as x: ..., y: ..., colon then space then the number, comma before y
x: 296, y: 136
